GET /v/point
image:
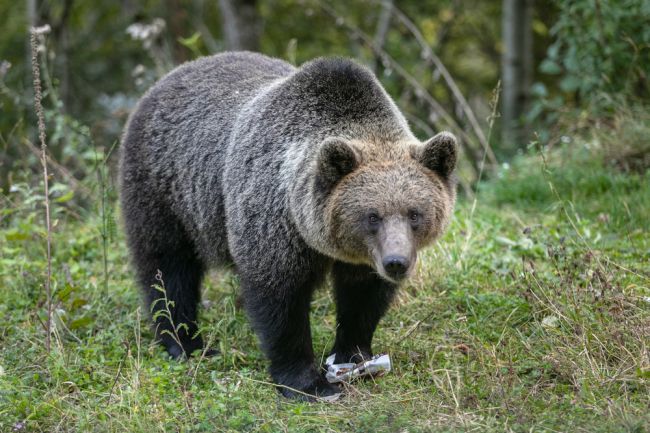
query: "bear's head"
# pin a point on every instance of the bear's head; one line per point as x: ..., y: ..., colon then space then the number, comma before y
x: 380, y: 210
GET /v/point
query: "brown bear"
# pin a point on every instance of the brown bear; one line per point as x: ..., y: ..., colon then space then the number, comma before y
x: 287, y: 174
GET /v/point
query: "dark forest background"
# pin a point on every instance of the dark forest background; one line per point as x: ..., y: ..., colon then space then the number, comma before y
x: 443, y: 61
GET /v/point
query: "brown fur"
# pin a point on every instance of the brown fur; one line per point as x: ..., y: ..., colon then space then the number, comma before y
x: 390, y: 181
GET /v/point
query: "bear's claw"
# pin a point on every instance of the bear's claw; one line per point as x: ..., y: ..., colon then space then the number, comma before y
x: 176, y: 352
x: 319, y: 389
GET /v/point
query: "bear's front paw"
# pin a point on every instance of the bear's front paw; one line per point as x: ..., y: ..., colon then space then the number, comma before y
x: 319, y: 388
x: 307, y: 385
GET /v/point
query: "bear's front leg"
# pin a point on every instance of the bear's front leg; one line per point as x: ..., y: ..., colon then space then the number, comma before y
x: 279, y: 312
x: 362, y: 298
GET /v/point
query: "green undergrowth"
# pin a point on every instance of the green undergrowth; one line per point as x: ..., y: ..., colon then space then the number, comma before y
x: 531, y: 314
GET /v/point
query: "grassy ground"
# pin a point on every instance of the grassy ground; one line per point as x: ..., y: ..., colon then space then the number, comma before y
x: 532, y: 314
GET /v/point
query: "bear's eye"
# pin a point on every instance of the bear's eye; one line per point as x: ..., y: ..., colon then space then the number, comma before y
x: 373, y: 219
x: 414, y: 217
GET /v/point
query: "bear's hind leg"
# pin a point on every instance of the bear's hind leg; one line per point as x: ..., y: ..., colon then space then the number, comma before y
x: 362, y: 298
x: 172, y: 289
x: 169, y: 273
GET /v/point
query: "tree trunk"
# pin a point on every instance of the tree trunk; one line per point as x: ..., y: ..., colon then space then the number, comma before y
x: 32, y: 21
x: 383, y: 25
x: 241, y: 24
x: 516, y: 70
x: 62, y: 45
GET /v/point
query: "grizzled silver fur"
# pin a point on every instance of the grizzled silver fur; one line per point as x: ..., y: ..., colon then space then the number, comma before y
x: 243, y: 159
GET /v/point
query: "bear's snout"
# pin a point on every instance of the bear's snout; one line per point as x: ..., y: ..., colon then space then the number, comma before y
x: 396, y: 266
x: 393, y: 249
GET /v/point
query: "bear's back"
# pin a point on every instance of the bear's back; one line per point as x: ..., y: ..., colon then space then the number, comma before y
x: 181, y: 127
x: 197, y: 94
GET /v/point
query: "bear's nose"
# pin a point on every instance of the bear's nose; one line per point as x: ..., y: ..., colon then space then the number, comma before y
x: 396, y: 266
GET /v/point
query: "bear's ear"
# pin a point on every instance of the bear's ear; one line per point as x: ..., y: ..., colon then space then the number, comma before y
x: 440, y: 153
x: 337, y: 158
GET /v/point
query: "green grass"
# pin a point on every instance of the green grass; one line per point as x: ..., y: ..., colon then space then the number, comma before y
x: 531, y: 314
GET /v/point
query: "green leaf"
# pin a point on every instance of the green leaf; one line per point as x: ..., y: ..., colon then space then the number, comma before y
x: 643, y: 373
x: 550, y: 67
x: 570, y: 83
x: 64, y: 293
x: 190, y: 42
x: 81, y: 322
x: 78, y: 302
x: 65, y: 197
x: 505, y: 241
x: 16, y: 235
